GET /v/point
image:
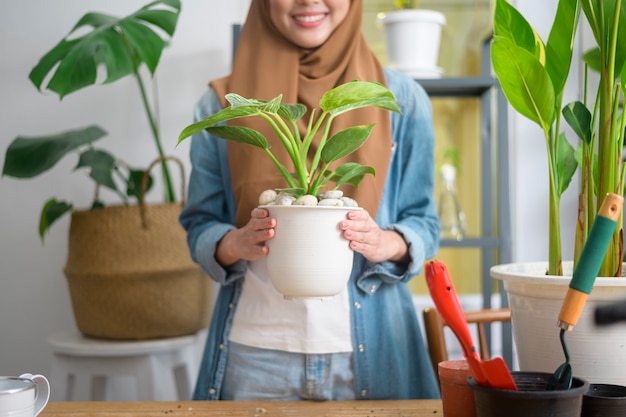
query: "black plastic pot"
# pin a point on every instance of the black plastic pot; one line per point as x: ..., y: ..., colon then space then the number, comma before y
x: 530, y: 399
x: 604, y: 400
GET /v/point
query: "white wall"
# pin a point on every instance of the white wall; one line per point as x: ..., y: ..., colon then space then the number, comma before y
x: 34, y: 300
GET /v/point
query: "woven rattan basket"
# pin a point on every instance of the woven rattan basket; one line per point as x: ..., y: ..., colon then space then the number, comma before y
x: 130, y: 275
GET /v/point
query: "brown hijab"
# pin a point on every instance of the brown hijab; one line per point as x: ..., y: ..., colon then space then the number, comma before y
x: 267, y: 65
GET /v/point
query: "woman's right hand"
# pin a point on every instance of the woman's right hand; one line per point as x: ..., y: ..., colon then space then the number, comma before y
x: 247, y: 242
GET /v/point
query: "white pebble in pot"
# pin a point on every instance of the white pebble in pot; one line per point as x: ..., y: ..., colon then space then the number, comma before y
x: 284, y: 200
x: 306, y: 200
x: 332, y: 194
x: 335, y: 202
x: 349, y: 202
x: 267, y: 197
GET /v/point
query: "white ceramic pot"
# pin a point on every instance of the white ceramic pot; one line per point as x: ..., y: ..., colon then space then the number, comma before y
x: 412, y: 39
x: 598, y: 353
x: 309, y: 257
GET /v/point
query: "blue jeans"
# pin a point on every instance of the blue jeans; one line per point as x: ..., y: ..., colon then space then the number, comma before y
x: 264, y: 374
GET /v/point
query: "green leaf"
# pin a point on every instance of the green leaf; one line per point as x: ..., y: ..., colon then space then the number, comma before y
x: 345, y: 142
x: 602, y: 30
x: 97, y: 204
x: 148, y: 45
x: 228, y: 113
x: 272, y: 106
x: 117, y: 44
x: 510, y: 24
x: 578, y: 117
x: 51, y: 212
x: 27, y: 157
x: 561, y: 43
x: 133, y: 183
x: 525, y: 82
x: 357, y: 94
x: 240, y: 134
x: 351, y: 173
x: 592, y: 59
x: 565, y: 164
x: 292, y: 112
x: 101, y: 165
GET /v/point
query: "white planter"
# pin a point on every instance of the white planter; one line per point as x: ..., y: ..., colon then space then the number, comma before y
x: 412, y: 39
x: 309, y: 257
x: 598, y: 354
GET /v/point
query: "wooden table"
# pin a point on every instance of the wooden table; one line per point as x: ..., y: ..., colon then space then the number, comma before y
x: 392, y: 408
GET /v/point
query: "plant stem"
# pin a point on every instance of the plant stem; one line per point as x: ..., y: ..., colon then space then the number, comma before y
x: 318, y: 153
x: 167, y: 178
x: 607, y: 151
x: 555, y: 266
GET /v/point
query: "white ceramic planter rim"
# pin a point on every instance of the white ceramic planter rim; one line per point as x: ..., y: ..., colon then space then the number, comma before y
x: 534, y: 272
x: 298, y: 207
x: 410, y: 15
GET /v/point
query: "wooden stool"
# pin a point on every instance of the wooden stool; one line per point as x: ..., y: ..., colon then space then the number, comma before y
x: 154, y: 364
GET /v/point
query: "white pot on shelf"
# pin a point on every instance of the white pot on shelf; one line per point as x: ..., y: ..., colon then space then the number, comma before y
x: 412, y: 39
x: 598, y: 353
x: 308, y: 257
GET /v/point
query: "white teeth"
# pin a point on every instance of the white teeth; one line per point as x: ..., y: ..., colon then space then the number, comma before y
x: 309, y: 19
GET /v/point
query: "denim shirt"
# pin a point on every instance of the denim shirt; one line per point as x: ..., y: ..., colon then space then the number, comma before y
x: 390, y: 357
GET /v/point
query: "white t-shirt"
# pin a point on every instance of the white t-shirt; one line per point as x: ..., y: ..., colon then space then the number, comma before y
x: 265, y: 319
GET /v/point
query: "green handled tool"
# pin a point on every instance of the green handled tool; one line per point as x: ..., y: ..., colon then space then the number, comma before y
x: 582, y: 281
x: 590, y: 261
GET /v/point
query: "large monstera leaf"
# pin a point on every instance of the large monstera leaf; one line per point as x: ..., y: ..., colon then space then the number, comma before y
x: 120, y: 45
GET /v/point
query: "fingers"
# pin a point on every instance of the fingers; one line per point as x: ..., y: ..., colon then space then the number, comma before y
x: 366, y: 238
x: 247, y: 242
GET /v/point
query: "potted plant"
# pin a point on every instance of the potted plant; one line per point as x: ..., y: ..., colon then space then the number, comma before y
x: 533, y: 75
x: 412, y: 38
x: 308, y: 189
x: 121, y: 285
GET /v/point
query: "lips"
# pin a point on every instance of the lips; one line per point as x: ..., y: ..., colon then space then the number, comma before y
x: 310, y: 18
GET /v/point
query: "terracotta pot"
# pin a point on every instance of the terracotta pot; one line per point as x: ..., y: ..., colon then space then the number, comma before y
x: 309, y: 257
x: 456, y: 396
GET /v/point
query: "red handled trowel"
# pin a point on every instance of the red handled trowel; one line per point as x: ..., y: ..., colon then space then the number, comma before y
x: 493, y: 373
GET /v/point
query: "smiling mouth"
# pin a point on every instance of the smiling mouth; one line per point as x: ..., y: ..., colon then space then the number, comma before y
x: 310, y: 18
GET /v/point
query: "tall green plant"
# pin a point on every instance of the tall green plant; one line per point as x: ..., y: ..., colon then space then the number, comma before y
x: 121, y: 46
x: 533, y: 76
x: 603, y: 173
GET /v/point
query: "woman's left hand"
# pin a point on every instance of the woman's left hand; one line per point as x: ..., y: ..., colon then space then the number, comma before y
x: 375, y: 244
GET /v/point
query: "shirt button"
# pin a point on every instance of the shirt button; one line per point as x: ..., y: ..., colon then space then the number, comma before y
x: 221, y: 346
x: 363, y: 393
x: 357, y: 305
x: 361, y: 348
x: 230, y: 305
x: 212, y: 391
x: 373, y: 288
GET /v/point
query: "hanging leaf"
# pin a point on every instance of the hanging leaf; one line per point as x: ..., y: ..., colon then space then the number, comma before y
x: 27, y: 157
x: 120, y: 45
x: 50, y: 213
x: 101, y: 165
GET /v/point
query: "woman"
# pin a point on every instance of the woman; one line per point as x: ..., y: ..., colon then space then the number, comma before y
x: 366, y: 342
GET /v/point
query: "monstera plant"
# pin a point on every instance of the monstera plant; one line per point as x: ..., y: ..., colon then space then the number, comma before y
x: 123, y: 47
